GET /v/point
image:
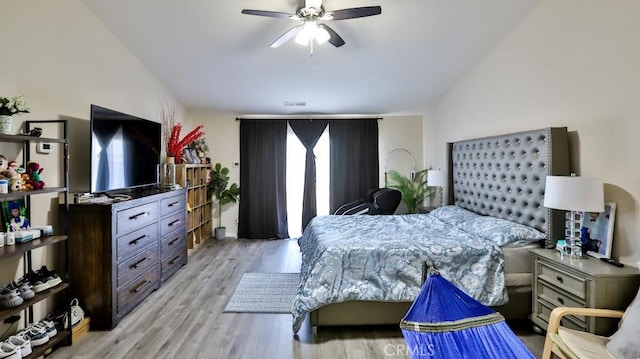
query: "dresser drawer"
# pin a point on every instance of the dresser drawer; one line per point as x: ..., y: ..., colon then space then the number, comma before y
x: 173, y: 223
x: 172, y: 242
x: 174, y: 261
x: 173, y: 204
x: 543, y: 312
x: 136, y: 291
x: 559, y: 298
x: 575, y: 285
x: 132, y: 243
x: 136, y: 217
x: 134, y: 267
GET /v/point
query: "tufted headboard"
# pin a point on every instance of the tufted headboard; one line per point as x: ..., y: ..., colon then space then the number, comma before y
x: 504, y: 176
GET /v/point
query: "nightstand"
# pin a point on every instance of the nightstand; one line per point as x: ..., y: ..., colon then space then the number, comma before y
x: 580, y: 282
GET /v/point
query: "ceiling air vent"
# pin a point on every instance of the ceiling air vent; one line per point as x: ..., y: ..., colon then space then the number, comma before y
x: 295, y: 103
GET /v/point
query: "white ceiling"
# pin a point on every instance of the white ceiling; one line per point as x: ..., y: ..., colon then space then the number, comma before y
x: 211, y: 57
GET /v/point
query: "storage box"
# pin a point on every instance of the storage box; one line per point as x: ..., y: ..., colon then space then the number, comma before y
x: 80, y: 329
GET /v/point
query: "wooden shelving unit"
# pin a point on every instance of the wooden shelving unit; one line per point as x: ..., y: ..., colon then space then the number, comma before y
x: 193, y: 177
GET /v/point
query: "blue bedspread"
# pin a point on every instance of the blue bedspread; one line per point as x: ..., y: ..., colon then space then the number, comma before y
x: 379, y: 258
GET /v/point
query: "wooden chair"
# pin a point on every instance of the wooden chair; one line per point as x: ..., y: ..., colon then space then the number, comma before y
x: 572, y: 344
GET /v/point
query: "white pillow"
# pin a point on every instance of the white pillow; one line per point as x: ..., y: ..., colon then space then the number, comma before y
x: 625, y: 342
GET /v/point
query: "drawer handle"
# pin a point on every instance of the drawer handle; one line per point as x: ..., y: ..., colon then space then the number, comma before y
x: 174, y: 241
x: 135, y: 266
x: 135, y: 217
x: 173, y: 204
x: 560, y: 300
x: 135, y: 241
x: 174, y: 260
x: 174, y: 223
x: 559, y: 279
x: 140, y: 286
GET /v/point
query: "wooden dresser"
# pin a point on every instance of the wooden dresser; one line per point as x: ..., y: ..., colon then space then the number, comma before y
x: 121, y: 252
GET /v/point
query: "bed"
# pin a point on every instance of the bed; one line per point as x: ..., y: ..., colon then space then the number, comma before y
x: 367, y: 269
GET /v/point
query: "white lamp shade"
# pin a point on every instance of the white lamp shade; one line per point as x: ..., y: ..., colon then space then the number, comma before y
x: 436, y: 178
x: 574, y: 193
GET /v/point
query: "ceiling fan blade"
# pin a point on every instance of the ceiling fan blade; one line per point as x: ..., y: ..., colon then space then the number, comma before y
x: 335, y: 39
x: 355, y: 12
x: 286, y: 36
x: 266, y: 13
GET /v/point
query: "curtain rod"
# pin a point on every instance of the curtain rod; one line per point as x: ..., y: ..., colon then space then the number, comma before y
x: 312, y: 117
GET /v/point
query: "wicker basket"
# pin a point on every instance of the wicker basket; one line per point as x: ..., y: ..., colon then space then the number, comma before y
x: 5, y: 124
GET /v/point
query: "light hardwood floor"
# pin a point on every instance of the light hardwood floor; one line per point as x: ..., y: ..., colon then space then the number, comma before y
x: 184, y: 318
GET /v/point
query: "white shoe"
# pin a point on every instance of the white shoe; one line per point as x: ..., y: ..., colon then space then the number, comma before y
x: 21, y: 341
x: 49, y: 327
x: 9, y: 351
x: 37, y: 335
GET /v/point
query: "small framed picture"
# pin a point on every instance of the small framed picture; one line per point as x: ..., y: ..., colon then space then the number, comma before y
x: 597, y: 230
x: 14, y: 214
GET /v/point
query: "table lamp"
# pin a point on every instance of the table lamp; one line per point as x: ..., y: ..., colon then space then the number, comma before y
x: 578, y: 195
x: 437, y: 178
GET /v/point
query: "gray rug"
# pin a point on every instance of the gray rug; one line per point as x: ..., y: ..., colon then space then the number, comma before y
x: 264, y: 293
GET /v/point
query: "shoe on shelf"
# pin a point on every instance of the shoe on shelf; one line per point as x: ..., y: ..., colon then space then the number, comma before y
x: 53, y: 279
x: 9, y: 351
x: 37, y: 335
x: 48, y: 326
x: 37, y: 281
x: 24, y: 289
x: 21, y: 341
x: 9, y: 298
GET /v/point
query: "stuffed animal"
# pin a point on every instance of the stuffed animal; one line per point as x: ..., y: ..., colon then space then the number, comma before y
x: 6, y: 171
x: 15, y: 184
x: 4, y: 163
x: 34, y: 171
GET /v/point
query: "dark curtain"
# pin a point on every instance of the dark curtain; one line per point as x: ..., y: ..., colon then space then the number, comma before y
x: 354, y: 160
x: 263, y: 198
x: 309, y: 133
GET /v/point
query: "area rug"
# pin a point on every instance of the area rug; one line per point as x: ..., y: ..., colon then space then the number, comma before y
x: 264, y: 293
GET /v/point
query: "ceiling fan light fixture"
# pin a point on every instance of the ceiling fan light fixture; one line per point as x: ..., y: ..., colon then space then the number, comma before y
x: 303, y: 37
x: 322, y: 35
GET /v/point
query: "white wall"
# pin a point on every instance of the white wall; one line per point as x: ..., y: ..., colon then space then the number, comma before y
x: 222, y: 132
x: 568, y: 63
x: 62, y: 59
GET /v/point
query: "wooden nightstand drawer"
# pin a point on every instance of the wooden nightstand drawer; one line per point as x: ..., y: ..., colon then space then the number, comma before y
x: 559, y: 298
x: 572, y: 284
x: 543, y: 310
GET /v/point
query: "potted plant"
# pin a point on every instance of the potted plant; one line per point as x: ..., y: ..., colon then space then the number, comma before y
x: 414, y: 190
x: 219, y: 187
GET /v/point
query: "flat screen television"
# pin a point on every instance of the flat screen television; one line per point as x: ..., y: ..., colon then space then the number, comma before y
x: 125, y: 150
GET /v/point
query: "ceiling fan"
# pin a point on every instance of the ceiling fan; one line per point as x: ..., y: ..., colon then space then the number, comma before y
x: 311, y: 29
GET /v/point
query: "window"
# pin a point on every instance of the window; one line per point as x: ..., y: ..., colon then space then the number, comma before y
x: 295, y: 179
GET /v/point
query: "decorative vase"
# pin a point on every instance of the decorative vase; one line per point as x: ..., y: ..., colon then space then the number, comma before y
x: 5, y: 124
x: 169, y: 173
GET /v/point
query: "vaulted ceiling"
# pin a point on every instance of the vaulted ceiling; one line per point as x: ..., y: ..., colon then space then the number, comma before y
x: 212, y: 57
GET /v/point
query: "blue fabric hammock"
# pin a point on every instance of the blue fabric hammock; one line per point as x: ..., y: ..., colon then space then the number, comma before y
x: 444, y: 322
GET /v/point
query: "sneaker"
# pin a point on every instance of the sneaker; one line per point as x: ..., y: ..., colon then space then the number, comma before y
x: 53, y: 279
x: 21, y: 341
x: 9, y: 351
x: 23, y: 288
x: 48, y: 326
x: 9, y: 298
x: 38, y: 336
x: 37, y: 281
